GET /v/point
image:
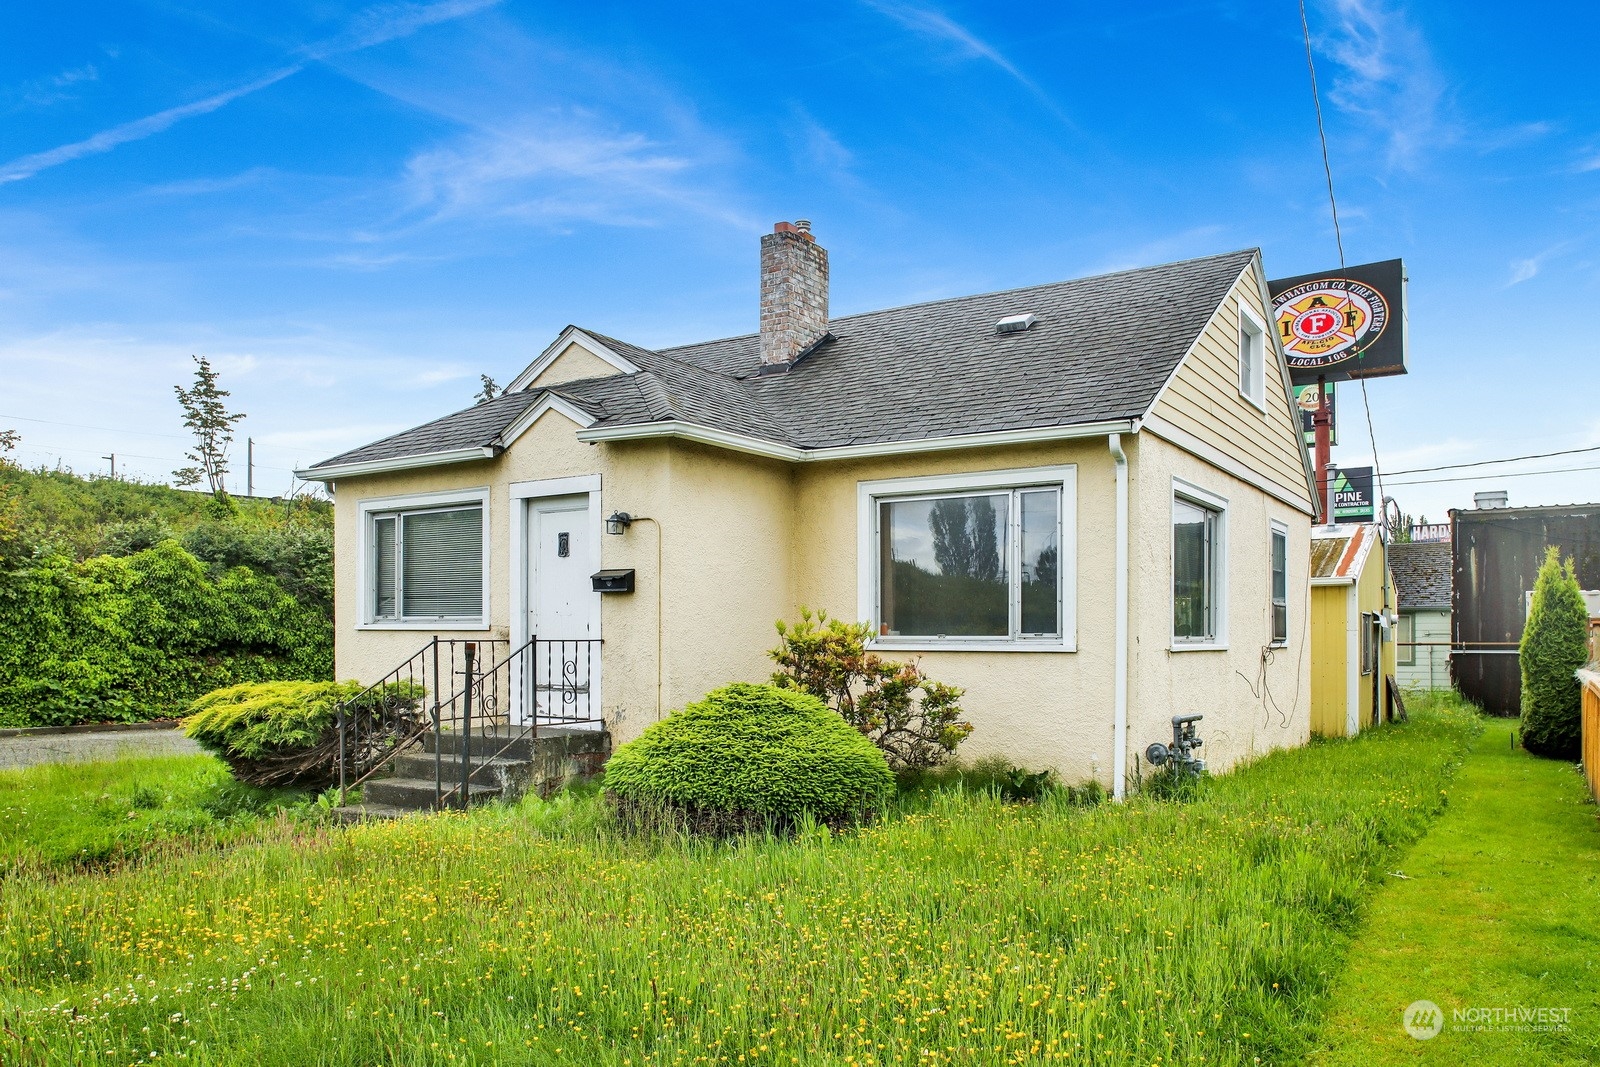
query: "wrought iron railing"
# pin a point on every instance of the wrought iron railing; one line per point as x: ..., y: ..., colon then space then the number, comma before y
x: 504, y: 703
x: 478, y: 699
x: 401, y: 708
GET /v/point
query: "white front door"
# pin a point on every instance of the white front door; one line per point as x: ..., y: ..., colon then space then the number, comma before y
x: 562, y: 607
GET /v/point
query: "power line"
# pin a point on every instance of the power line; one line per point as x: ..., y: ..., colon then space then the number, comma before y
x: 1316, y: 99
x: 1497, y: 477
x: 1338, y: 236
x: 1487, y: 462
x: 85, y: 426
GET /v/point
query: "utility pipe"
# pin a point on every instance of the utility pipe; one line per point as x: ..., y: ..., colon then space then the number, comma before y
x: 1119, y: 755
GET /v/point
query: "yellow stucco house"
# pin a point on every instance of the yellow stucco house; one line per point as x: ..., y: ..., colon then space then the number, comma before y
x: 1352, y: 630
x: 1088, y: 503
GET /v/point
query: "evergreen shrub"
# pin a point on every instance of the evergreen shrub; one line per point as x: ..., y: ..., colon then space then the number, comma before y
x: 286, y: 733
x: 1555, y: 644
x: 747, y: 757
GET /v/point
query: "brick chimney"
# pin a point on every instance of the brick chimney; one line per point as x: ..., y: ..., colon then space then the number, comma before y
x: 794, y: 293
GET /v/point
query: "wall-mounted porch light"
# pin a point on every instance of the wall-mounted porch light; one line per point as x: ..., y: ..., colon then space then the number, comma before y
x: 618, y: 523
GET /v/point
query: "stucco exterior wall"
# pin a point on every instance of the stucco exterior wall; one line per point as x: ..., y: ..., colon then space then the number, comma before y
x: 1254, y: 697
x: 573, y: 364
x: 721, y: 522
x: 1036, y: 708
x: 1204, y: 399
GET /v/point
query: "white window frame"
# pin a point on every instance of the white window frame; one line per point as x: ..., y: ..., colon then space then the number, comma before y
x: 1205, y: 498
x: 368, y: 509
x: 868, y: 495
x: 1278, y: 529
x: 1253, y: 335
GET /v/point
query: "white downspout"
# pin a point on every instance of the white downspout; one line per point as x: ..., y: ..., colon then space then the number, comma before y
x: 1119, y: 758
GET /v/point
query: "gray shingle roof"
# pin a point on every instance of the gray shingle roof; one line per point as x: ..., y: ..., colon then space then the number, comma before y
x: 1101, y: 350
x: 1422, y: 575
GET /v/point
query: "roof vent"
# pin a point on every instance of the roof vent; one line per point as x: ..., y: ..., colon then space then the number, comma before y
x: 1015, y: 323
x: 1493, y: 498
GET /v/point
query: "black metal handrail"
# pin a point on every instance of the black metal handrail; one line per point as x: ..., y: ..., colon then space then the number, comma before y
x: 387, y: 717
x: 540, y: 683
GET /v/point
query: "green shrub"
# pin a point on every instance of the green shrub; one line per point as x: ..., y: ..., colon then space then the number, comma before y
x: 286, y: 733
x: 1554, y: 645
x: 914, y: 720
x: 125, y: 639
x: 747, y: 756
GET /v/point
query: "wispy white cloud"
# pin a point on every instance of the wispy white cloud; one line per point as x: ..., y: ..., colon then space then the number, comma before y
x: 1388, y: 78
x: 374, y: 26
x: 65, y: 85
x: 205, y: 186
x: 937, y: 26
x: 1525, y: 269
x: 1587, y: 165
x: 557, y: 168
x: 1522, y: 270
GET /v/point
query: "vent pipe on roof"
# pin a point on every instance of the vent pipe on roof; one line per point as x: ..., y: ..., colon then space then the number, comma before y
x: 794, y: 293
x: 1493, y: 498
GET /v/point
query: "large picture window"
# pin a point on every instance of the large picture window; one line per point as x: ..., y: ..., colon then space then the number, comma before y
x: 425, y: 564
x: 975, y: 566
x: 1199, y: 538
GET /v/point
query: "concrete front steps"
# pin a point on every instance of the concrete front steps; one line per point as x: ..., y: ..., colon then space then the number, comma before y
x: 500, y: 770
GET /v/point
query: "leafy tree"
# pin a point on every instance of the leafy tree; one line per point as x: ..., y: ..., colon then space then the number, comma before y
x: 8, y: 440
x: 1554, y: 646
x: 964, y: 543
x: 489, y: 391
x: 205, y: 414
x: 914, y: 720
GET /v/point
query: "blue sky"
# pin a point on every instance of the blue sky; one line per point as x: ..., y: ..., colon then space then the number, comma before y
x: 354, y: 210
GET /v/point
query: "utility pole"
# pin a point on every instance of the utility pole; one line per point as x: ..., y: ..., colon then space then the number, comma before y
x: 249, y: 466
x: 113, y: 459
x: 1322, y: 424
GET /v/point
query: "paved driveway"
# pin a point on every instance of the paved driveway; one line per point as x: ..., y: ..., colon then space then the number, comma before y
x: 27, y: 750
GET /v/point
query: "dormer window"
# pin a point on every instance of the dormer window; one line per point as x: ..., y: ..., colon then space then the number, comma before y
x: 1252, y: 358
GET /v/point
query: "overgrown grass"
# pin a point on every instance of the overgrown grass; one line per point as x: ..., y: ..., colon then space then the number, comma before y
x: 969, y: 932
x: 93, y: 814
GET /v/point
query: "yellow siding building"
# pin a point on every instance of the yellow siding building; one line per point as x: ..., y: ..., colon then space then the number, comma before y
x: 1352, y: 630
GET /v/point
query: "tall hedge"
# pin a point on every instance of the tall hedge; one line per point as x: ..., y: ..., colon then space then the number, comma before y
x: 1554, y: 646
x: 124, y: 639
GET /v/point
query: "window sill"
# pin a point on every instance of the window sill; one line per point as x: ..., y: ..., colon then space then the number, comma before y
x: 1198, y: 646
x: 1259, y: 405
x: 911, y: 644
x: 428, y: 624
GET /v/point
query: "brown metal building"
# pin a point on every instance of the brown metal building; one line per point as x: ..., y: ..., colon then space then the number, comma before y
x: 1496, y: 553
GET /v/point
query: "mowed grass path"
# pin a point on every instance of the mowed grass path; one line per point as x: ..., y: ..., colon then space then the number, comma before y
x: 1500, y: 909
x: 970, y: 932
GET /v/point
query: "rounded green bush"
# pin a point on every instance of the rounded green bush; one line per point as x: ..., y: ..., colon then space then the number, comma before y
x: 751, y: 754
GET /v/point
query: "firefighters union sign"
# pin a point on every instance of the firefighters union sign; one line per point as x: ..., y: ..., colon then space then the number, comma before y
x: 1343, y: 325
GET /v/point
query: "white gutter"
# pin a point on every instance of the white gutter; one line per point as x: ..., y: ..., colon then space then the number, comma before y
x: 399, y: 463
x: 1119, y: 758
x: 688, y: 431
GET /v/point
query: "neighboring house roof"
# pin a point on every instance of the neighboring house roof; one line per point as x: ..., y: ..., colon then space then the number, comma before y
x: 1102, y: 350
x: 1422, y: 575
x: 1339, y: 553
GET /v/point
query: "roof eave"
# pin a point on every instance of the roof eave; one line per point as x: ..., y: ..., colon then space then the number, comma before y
x: 688, y: 431
x: 330, y: 472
